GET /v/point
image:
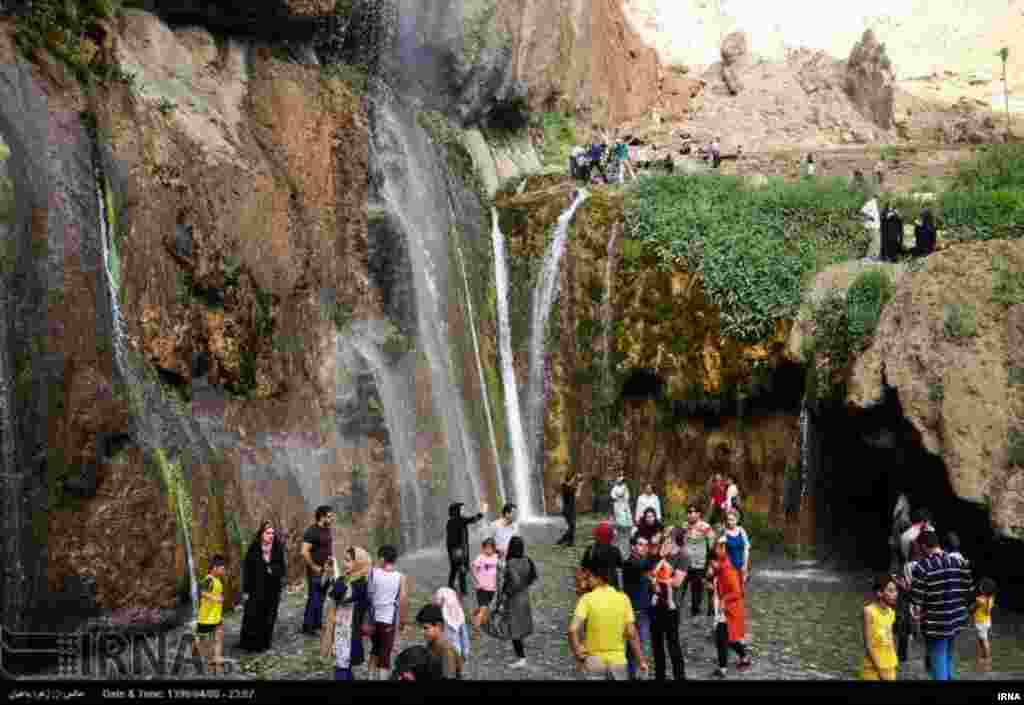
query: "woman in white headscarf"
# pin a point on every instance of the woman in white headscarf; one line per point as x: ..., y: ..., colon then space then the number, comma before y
x: 456, y: 630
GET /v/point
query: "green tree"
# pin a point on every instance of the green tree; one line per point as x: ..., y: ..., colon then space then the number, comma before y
x: 1004, y: 54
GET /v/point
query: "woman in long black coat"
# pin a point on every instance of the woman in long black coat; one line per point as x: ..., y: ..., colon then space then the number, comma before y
x: 263, y: 578
x: 925, y: 235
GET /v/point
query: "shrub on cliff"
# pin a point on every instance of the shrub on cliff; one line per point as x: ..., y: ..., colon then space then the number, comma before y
x: 754, y: 249
x: 986, y: 200
x: 868, y: 294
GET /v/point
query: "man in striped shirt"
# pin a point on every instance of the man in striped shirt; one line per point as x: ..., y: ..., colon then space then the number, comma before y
x: 940, y: 590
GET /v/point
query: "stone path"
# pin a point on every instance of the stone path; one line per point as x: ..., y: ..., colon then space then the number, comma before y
x: 804, y: 623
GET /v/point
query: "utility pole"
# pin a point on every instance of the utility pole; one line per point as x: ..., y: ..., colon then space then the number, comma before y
x: 1004, y: 54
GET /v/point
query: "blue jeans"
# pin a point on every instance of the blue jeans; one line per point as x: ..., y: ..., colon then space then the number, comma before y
x: 643, y: 630
x: 343, y: 674
x: 940, y: 657
x: 314, y: 616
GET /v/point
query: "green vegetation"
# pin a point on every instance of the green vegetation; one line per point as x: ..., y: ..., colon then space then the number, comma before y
x: 754, y: 249
x: 448, y: 137
x: 961, y: 322
x: 765, y: 534
x: 166, y: 107
x: 479, y: 29
x: 64, y: 28
x: 1016, y: 447
x: 867, y: 296
x: 936, y: 392
x: 355, y: 77
x: 6, y: 200
x: 986, y: 199
x: 559, y: 137
x: 1016, y: 376
x: 1009, y: 287
x: 829, y: 353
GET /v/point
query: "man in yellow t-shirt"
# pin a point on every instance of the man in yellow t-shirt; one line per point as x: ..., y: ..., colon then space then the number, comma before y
x: 608, y: 615
x: 210, y: 626
x: 880, y: 661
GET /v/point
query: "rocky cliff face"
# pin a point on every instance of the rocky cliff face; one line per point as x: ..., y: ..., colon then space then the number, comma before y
x: 585, y: 57
x: 228, y: 200
x: 641, y: 378
x: 949, y: 347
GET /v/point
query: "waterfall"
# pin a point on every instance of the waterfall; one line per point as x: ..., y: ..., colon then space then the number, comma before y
x: 606, y: 313
x: 483, y: 379
x: 412, y: 186
x: 399, y: 402
x: 543, y: 298
x: 805, y: 449
x: 193, y: 587
x: 517, y: 439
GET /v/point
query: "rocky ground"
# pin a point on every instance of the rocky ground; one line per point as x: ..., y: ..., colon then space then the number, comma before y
x: 803, y: 622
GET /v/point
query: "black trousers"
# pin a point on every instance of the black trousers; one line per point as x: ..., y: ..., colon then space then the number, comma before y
x: 520, y: 649
x: 722, y: 642
x: 459, y: 567
x: 904, y: 625
x: 665, y: 630
x: 569, y: 537
x: 695, y: 583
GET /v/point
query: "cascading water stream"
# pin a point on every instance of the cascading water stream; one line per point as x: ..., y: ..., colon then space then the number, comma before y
x: 410, y: 185
x: 543, y: 299
x: 805, y: 448
x: 517, y: 439
x: 483, y: 379
x: 110, y: 269
x: 399, y: 405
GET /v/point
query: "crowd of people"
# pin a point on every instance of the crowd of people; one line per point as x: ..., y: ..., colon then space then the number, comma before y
x: 631, y: 584
x: 928, y: 595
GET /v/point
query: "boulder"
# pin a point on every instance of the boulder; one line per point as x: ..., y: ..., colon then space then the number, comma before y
x: 957, y: 393
x: 869, y: 80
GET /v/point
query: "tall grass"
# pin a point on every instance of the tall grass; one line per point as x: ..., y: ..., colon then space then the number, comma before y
x: 986, y: 199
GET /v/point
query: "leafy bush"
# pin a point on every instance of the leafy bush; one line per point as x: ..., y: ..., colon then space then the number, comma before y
x: 830, y: 351
x: 753, y: 248
x: 961, y: 322
x: 986, y: 200
x: 559, y: 137
x: 1016, y: 447
x: 1009, y: 288
x: 864, y: 302
x: 765, y: 535
x: 61, y: 27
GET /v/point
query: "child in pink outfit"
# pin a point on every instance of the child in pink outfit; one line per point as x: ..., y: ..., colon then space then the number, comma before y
x: 485, y: 575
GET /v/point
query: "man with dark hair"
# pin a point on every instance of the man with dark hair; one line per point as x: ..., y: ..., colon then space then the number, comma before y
x: 431, y: 618
x: 637, y: 586
x: 416, y: 664
x: 457, y: 539
x: 317, y: 550
x: 570, y: 491
x: 920, y: 522
x: 609, y: 620
x: 941, y: 589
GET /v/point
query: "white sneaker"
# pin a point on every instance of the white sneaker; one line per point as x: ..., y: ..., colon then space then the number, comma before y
x: 521, y: 663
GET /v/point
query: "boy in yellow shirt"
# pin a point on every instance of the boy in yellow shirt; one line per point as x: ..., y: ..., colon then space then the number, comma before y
x: 880, y: 661
x: 210, y: 626
x: 609, y: 619
x: 983, y: 605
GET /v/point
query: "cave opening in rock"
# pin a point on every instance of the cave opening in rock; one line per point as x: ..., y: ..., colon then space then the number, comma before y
x: 865, y: 462
x: 643, y: 384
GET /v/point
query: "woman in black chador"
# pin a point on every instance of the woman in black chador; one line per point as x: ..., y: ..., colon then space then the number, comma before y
x: 892, y: 235
x: 263, y: 577
x: 457, y: 538
x: 924, y: 235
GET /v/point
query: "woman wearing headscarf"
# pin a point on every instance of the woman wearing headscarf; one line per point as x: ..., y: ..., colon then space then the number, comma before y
x: 649, y: 525
x: 351, y: 597
x: 263, y: 576
x: 730, y: 608
x: 456, y: 630
x: 514, y: 600
x: 622, y: 512
x: 924, y: 235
